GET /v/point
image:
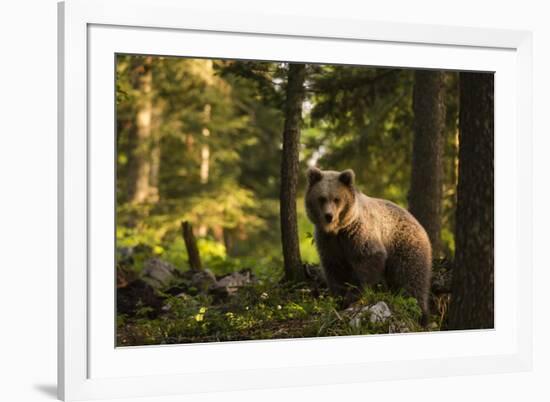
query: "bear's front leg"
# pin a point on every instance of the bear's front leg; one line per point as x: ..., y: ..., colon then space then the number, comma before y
x: 370, y: 268
x: 340, y: 279
x: 337, y: 280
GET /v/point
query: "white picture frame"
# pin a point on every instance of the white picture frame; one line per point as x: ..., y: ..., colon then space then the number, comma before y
x: 92, y: 32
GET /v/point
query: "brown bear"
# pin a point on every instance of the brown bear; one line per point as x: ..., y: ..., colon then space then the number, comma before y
x: 364, y: 241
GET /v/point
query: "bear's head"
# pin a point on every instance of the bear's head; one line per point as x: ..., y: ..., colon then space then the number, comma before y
x: 330, y: 198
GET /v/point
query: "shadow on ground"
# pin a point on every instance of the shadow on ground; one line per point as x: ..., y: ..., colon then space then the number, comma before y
x: 47, y: 389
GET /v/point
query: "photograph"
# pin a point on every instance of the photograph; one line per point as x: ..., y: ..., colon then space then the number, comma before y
x: 262, y: 200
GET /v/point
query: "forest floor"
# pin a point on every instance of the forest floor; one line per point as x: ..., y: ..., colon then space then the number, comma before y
x: 197, y: 306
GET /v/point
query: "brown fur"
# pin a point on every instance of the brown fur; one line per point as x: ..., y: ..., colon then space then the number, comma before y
x: 364, y: 241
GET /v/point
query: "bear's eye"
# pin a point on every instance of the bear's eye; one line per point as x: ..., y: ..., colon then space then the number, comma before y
x: 336, y: 201
x: 322, y: 200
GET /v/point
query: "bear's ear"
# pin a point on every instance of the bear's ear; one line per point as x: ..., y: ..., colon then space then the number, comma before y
x: 314, y: 175
x: 347, y: 177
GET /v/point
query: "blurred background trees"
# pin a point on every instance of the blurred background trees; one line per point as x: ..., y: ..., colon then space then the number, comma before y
x: 202, y: 141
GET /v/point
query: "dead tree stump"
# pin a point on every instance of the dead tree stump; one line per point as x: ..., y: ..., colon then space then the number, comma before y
x: 191, y: 246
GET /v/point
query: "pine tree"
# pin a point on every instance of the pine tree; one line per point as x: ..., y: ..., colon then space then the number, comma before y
x: 289, y: 171
x: 472, y: 290
x: 427, y: 159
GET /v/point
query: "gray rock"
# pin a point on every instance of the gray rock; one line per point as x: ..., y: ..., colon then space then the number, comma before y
x: 232, y: 282
x: 158, y: 273
x: 203, y: 280
x: 379, y: 312
x: 375, y: 313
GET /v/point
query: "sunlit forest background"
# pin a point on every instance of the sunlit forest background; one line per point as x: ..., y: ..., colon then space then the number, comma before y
x: 200, y: 141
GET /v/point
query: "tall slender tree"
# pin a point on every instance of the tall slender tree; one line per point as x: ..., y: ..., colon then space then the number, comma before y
x: 140, y: 164
x: 472, y: 292
x: 427, y: 160
x: 295, y: 93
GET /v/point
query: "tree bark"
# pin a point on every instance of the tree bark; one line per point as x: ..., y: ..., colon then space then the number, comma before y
x: 205, y: 149
x: 295, y: 93
x: 205, y: 158
x: 140, y: 163
x: 472, y: 296
x: 425, y: 194
x: 155, y: 156
x: 191, y: 246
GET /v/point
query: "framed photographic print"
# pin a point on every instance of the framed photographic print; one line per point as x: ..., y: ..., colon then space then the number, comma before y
x: 252, y: 201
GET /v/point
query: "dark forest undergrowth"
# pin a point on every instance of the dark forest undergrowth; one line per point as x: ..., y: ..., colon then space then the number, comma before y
x: 167, y: 306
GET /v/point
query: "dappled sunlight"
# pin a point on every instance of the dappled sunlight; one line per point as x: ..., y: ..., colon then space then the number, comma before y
x: 213, y: 241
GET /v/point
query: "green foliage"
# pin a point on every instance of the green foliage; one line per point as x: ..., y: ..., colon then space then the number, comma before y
x: 213, y: 154
x: 354, y: 117
x: 366, y: 120
x: 267, y: 310
x: 228, y: 206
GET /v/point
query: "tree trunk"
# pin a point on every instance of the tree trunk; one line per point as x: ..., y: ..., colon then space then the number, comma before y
x: 228, y: 242
x: 205, y: 158
x: 140, y: 164
x: 472, y: 296
x: 289, y: 172
x: 425, y: 194
x: 205, y: 149
x: 191, y: 246
x: 154, y: 194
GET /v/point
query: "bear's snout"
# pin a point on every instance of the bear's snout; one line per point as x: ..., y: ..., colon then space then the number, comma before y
x: 328, y: 218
